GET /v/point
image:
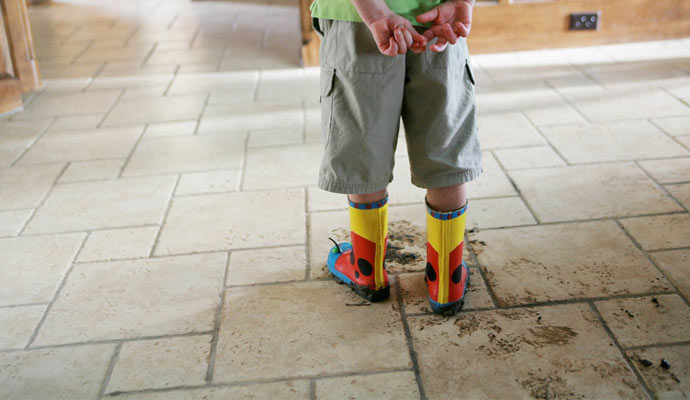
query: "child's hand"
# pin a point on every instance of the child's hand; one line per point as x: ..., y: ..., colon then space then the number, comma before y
x: 450, y: 20
x: 395, y: 35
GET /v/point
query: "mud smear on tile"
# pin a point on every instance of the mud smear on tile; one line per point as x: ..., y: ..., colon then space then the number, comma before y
x: 406, y: 250
x: 542, y: 386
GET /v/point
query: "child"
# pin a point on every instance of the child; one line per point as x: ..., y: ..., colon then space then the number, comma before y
x: 368, y: 81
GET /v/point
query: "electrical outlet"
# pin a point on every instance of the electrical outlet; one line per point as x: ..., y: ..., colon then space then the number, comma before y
x: 585, y: 21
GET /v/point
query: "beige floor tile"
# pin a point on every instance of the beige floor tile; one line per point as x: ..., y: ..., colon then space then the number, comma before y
x: 394, y: 385
x: 684, y: 140
x: 149, y: 297
x: 68, y: 70
x: 416, y: 295
x: 170, y: 129
x: 83, y: 145
x: 186, y: 154
x: 185, y: 56
x: 406, y: 239
x: 219, y: 96
x: 591, y: 191
x: 77, y: 122
x: 499, y: 98
x: 222, y: 82
x: 266, y: 167
x: 671, y: 383
x: 253, y: 117
x: 554, y: 115
x: 161, y: 363
x: 254, y: 348
x: 208, y: 182
x: 118, y: 244
x: 676, y: 265
x: 647, y: 320
x: 546, y: 352
x: 7, y: 157
x: 35, y: 265
x: 286, y: 84
x: 562, y: 262
x: 493, y: 182
x: 129, y: 81
x: 61, y: 104
x: 11, y: 222
x: 288, y: 390
x: 634, y: 72
x: 274, y: 137
x: 321, y: 200
x: 18, y: 135
x: 103, y: 204
x: 498, y: 213
x: 127, y: 69
x: 92, y: 170
x: 248, y: 267
x: 507, y: 130
x: 668, y: 171
x: 208, y: 223
x: 660, y: 232
x: 60, y: 373
x: 18, y: 325
x: 612, y: 104
x: 143, y: 92
x: 529, y: 157
x: 674, y: 126
x: 158, y: 109
x: 630, y: 140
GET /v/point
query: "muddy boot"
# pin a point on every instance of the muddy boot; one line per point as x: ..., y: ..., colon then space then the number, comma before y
x: 447, y: 275
x: 359, y: 263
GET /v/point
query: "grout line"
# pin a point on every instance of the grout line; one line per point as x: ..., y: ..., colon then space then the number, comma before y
x: 23, y: 305
x: 312, y: 389
x: 669, y: 249
x: 546, y: 138
x: 117, y: 100
x: 661, y: 186
x: 34, y: 141
x: 647, y: 390
x: 570, y: 103
x: 516, y: 188
x: 244, y: 162
x: 111, y: 367
x: 34, y: 334
x: 307, y: 236
x: 166, y: 211
x: 219, y: 315
x: 43, y: 200
x: 408, y: 337
x: 656, y: 345
x: 132, y: 150
x: 482, y: 274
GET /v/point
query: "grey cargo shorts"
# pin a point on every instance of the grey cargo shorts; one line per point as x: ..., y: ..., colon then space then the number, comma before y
x: 364, y: 94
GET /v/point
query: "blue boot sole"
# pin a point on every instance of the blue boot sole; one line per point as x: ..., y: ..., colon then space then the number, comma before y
x: 362, y: 291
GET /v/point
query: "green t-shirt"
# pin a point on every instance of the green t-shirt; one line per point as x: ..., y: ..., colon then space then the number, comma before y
x: 344, y: 10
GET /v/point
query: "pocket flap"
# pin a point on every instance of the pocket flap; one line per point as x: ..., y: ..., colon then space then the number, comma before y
x: 468, y: 68
x: 327, y: 77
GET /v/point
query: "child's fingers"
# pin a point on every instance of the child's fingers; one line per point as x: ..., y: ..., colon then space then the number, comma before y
x: 462, y: 29
x: 450, y: 35
x: 440, y: 45
x: 408, y: 37
x: 428, y: 16
x: 418, y: 38
x: 400, y: 39
x: 392, y: 47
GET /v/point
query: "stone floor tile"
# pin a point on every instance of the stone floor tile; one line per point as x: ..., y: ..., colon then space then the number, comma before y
x: 18, y: 135
x: 74, y: 103
x: 288, y: 390
x: 143, y: 92
x: 158, y: 109
x: 103, y: 204
x: 671, y: 383
x: 249, y: 267
x: 162, y: 129
x: 68, y: 70
x: 669, y: 170
x: 492, y: 182
x: 493, y: 133
x: 255, y: 348
x: 286, y: 84
x: 186, y: 154
x: 208, y: 182
x: 612, y: 104
x: 92, y: 170
x: 82, y: 145
x: 647, y: 320
x: 591, y: 191
x: 77, y: 122
x: 274, y: 137
x: 252, y: 117
x: 11, y: 222
x: 161, y: 363
x: 393, y: 385
x: 118, y: 244
x: 675, y: 126
x: 629, y: 140
x: 129, y: 81
x: 239, y: 81
x: 684, y: 140
x: 25, y: 186
x: 207, y: 223
x: 35, y: 266
x: 136, y: 298
x: 75, y: 372
x: 185, y: 56
x: 406, y: 250
x: 545, y: 352
x: 661, y: 231
x: 416, y: 296
x: 676, y: 265
x: 229, y: 97
x: 529, y: 157
x: 554, y: 115
x: 266, y: 167
x: 633, y: 72
x: 563, y: 262
x: 321, y: 200
x: 18, y: 325
x: 497, y: 213
x: 498, y: 98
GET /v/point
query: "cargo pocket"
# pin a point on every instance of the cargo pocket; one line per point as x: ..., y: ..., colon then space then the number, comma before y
x: 326, y: 100
x: 468, y: 70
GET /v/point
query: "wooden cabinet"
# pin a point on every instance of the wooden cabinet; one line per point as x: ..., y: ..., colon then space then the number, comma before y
x: 18, y: 67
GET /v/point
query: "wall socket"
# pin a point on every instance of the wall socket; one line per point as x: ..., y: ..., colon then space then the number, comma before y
x: 585, y: 21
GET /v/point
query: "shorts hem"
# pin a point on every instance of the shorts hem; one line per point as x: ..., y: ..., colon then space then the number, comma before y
x: 351, y: 188
x: 455, y: 178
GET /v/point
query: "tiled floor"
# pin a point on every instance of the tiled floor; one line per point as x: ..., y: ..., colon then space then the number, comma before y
x: 162, y: 235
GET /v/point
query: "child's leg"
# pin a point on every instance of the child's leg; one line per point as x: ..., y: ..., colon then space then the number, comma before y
x: 447, y: 198
x: 368, y: 198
